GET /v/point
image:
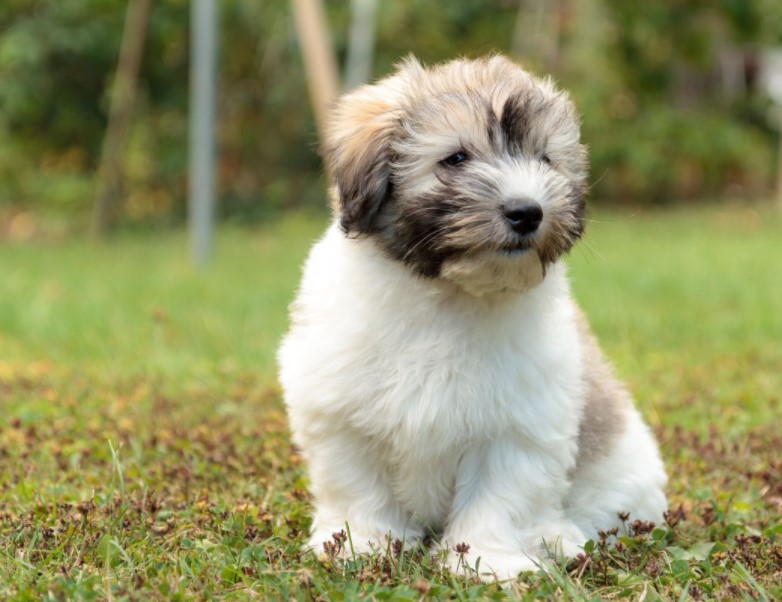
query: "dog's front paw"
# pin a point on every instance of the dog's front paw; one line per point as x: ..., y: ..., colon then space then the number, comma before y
x: 491, y: 566
x: 558, y: 540
x: 337, y: 543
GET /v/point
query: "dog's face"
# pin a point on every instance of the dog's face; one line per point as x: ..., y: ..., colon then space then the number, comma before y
x: 471, y: 172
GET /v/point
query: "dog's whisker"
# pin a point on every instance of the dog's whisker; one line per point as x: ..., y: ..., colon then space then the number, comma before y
x: 594, y: 252
x: 429, y: 236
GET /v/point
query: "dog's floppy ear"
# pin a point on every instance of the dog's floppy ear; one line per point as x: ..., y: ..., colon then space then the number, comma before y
x: 357, y: 153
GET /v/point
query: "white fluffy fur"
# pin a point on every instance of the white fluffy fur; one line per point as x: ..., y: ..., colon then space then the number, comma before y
x: 438, y: 380
x: 418, y: 406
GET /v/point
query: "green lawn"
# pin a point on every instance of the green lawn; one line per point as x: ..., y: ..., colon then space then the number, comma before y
x: 144, y: 452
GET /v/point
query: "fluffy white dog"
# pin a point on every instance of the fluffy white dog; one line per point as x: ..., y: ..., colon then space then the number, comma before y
x: 438, y: 375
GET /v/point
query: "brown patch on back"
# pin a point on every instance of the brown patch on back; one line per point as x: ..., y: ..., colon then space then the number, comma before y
x: 606, y: 403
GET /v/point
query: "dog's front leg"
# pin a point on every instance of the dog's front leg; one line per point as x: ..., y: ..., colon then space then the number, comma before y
x: 351, y: 491
x: 507, y: 509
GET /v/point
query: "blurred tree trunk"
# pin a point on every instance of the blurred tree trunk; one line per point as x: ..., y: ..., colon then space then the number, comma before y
x: 540, y: 32
x: 318, y: 53
x: 108, y: 187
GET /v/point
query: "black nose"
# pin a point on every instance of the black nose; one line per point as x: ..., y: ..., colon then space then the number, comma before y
x: 523, y: 216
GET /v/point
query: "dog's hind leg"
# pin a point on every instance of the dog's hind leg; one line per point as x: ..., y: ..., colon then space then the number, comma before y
x: 627, y: 478
x: 618, y: 467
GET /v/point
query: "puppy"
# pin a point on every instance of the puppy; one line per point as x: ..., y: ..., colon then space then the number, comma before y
x: 438, y: 375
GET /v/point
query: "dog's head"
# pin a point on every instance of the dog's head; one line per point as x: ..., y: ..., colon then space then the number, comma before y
x: 470, y: 171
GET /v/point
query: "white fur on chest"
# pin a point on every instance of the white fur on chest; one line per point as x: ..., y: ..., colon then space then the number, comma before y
x: 419, y: 373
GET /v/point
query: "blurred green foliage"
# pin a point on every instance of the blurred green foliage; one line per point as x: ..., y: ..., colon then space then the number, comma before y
x: 667, y: 90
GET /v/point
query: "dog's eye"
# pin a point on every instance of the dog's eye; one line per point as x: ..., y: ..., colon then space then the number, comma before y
x: 455, y: 159
x: 546, y: 160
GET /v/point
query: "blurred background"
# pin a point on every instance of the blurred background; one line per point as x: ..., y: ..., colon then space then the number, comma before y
x: 676, y: 97
x: 120, y: 356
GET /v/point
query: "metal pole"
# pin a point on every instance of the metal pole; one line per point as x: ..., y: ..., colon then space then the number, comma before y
x: 203, y: 87
x: 362, y: 43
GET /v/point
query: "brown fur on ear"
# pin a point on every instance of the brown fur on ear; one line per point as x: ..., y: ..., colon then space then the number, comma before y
x: 357, y: 153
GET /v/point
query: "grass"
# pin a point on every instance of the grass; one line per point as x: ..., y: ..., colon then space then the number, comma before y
x: 144, y: 452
